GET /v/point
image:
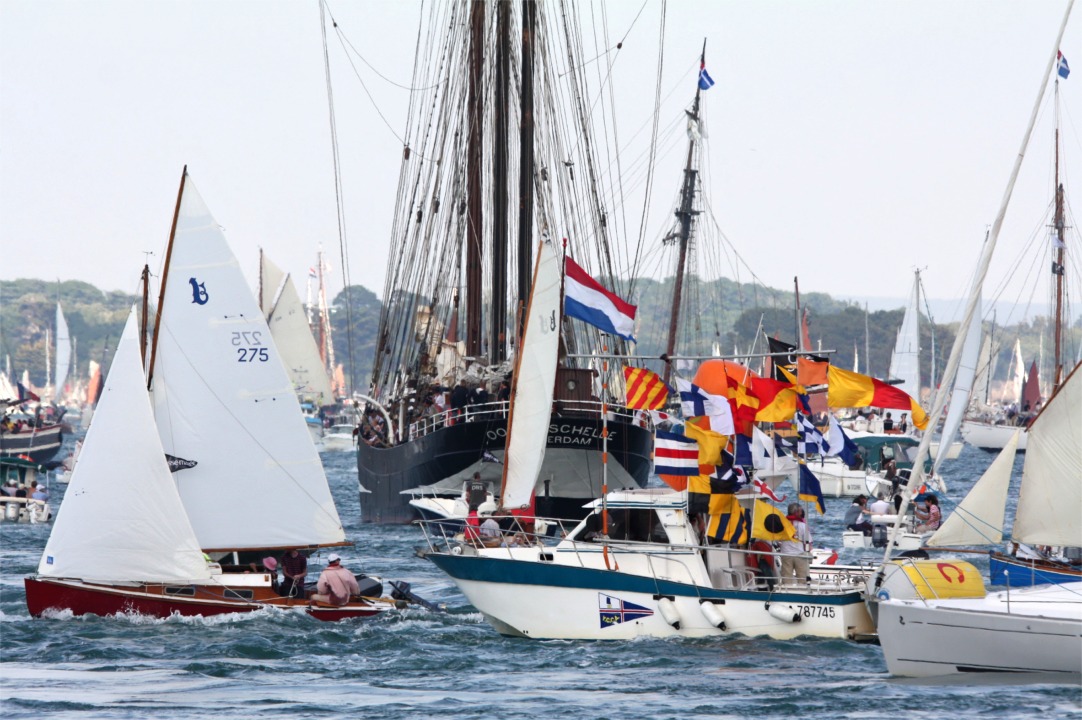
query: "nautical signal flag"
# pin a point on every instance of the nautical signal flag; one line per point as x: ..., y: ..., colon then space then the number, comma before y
x: 645, y: 389
x: 587, y: 300
x: 728, y: 521
x: 696, y: 402
x: 705, y: 81
x: 710, y: 443
x: 810, y: 490
x: 1061, y: 65
x: 675, y: 454
x: 850, y: 389
x: 839, y: 443
x: 809, y: 440
x: 770, y: 524
x: 777, y: 400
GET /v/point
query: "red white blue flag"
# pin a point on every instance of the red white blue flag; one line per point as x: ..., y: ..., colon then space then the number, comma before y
x: 587, y: 300
x: 675, y: 454
x: 1061, y: 65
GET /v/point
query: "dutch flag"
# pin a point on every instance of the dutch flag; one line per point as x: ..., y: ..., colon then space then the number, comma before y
x: 1061, y: 66
x: 587, y: 300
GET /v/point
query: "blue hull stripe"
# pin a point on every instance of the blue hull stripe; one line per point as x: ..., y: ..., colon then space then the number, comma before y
x: 1023, y: 574
x: 528, y: 572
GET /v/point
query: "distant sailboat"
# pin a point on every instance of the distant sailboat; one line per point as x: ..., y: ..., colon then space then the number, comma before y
x: 63, y: 355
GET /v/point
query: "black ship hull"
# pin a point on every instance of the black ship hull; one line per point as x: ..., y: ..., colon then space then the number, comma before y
x: 570, y: 477
x: 40, y: 444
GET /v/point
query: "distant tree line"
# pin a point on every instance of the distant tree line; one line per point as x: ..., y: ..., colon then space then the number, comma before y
x: 721, y: 312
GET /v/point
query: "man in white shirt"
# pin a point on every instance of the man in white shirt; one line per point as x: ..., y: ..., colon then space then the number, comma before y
x: 881, y: 506
x: 796, y: 553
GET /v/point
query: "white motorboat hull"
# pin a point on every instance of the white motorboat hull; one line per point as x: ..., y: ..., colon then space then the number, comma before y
x: 337, y: 442
x: 837, y: 480
x: 991, y: 437
x: 521, y: 594
x: 1041, y: 632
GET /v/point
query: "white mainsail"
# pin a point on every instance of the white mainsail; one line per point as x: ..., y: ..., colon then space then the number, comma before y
x: 535, y: 380
x: 905, y: 359
x: 222, y: 399
x: 122, y: 519
x: 978, y: 519
x: 63, y: 355
x: 1050, y: 501
x: 282, y: 308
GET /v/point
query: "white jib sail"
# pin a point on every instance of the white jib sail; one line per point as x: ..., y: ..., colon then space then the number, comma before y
x: 288, y: 323
x: 1050, y: 501
x: 63, y: 355
x: 534, y: 383
x: 978, y: 519
x: 222, y: 399
x: 905, y: 360
x: 122, y: 519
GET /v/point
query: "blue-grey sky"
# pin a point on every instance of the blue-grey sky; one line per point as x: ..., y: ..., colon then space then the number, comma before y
x: 851, y: 140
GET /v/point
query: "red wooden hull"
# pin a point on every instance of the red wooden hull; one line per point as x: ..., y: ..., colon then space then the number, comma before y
x: 89, y: 599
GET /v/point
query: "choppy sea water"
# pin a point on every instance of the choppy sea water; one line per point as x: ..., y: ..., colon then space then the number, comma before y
x: 420, y: 664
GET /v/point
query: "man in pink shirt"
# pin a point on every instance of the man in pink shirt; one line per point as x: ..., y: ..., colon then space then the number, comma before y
x: 336, y: 584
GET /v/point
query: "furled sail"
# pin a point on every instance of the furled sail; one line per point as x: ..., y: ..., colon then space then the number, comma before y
x: 122, y: 519
x: 963, y: 385
x: 222, y: 398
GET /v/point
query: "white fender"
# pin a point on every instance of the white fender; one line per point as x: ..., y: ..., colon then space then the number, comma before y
x: 712, y: 614
x: 669, y: 612
x: 785, y: 613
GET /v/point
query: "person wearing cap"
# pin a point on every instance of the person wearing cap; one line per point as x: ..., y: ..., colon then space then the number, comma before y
x: 336, y: 584
x: 294, y: 569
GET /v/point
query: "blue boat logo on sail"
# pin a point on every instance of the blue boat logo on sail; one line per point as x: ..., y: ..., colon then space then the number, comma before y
x: 199, y: 292
x: 613, y: 610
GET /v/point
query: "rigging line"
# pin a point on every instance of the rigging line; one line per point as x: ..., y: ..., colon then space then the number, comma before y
x: 618, y: 46
x: 338, y: 200
x: 651, y: 164
x: 357, y: 74
x: 341, y: 34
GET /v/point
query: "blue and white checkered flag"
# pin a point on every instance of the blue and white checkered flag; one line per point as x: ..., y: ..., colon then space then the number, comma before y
x: 809, y: 440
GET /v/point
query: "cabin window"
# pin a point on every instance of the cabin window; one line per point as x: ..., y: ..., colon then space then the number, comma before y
x: 186, y: 590
x: 241, y: 594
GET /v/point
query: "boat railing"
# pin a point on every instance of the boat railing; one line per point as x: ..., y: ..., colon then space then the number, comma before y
x: 550, y: 535
x: 500, y: 409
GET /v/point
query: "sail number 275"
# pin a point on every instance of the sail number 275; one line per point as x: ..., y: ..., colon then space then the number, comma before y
x: 249, y: 346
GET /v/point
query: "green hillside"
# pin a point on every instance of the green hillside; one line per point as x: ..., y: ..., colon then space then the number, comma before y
x: 723, y: 312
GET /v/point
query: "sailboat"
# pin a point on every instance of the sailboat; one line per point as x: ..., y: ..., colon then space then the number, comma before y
x: 1033, y: 626
x: 219, y: 472
x: 63, y: 356
x: 288, y: 323
x: 936, y: 617
x: 457, y: 280
x: 1049, y: 501
x: 993, y: 435
x: 905, y: 361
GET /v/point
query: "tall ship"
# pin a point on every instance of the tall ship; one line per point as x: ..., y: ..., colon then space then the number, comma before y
x: 501, y: 151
